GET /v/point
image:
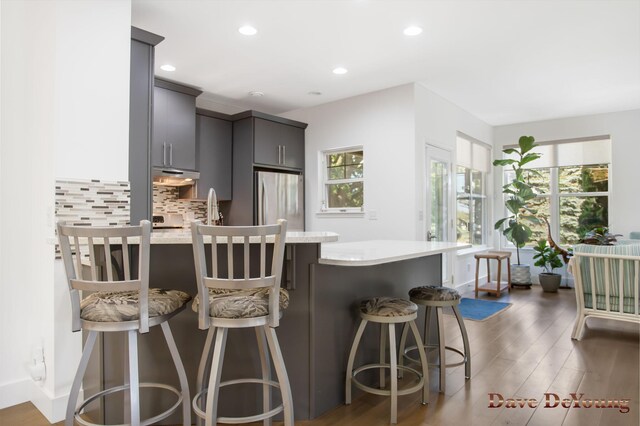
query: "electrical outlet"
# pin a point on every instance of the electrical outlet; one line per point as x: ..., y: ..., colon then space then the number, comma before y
x: 373, y: 215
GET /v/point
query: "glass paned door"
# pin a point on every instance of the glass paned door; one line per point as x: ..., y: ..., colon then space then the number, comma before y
x: 438, y: 203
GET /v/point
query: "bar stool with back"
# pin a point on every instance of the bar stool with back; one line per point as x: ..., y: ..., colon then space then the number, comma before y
x: 249, y: 301
x: 121, y: 302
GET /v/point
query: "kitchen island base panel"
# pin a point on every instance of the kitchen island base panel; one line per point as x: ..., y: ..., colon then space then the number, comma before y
x: 336, y: 292
x: 315, y: 333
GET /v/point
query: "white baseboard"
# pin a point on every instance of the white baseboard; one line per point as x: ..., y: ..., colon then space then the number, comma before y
x: 53, y: 408
x: 15, y: 393
x: 469, y: 285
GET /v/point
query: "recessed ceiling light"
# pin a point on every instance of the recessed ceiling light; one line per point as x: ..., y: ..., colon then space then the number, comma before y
x: 412, y: 31
x: 340, y: 70
x: 256, y: 93
x: 315, y: 93
x: 167, y: 67
x: 247, y: 30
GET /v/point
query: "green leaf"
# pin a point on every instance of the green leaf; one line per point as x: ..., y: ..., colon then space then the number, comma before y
x: 532, y: 156
x: 499, y: 223
x: 511, y: 151
x: 526, y: 143
x: 531, y: 219
x: 504, y: 162
x: 514, y: 205
x: 521, y: 234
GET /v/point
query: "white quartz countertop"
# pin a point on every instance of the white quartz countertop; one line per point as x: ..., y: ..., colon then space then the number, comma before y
x: 376, y: 252
x: 184, y: 237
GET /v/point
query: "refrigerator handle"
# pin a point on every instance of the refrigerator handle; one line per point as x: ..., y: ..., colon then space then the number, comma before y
x: 263, y: 203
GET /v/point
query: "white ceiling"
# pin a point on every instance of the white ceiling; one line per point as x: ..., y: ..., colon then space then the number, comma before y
x: 503, y: 61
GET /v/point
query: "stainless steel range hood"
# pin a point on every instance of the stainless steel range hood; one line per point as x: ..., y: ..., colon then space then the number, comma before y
x: 174, y: 177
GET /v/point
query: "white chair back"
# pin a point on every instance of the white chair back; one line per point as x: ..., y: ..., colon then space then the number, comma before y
x: 74, y: 240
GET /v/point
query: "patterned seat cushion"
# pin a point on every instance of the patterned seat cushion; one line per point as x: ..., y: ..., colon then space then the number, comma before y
x: 235, y: 304
x: 123, y: 305
x: 388, y: 307
x: 434, y: 293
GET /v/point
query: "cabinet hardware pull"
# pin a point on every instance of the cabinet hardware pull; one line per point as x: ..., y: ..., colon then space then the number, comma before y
x: 284, y: 154
x: 171, y: 154
x: 164, y: 154
x: 279, y: 154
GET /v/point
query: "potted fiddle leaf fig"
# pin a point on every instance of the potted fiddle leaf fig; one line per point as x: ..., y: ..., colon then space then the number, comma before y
x: 518, y: 193
x: 547, y: 257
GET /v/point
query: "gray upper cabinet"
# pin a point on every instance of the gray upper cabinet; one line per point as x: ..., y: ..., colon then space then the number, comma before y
x: 174, y: 126
x: 214, y: 155
x: 140, y: 118
x: 277, y: 144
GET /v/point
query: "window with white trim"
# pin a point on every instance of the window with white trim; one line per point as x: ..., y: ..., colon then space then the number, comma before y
x: 571, y: 180
x: 343, y: 180
x: 472, y: 207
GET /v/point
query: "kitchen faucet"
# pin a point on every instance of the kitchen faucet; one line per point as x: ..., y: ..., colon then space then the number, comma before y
x: 212, y: 208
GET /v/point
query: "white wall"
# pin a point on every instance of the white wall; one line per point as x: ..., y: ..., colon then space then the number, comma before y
x: 65, y: 114
x: 624, y: 129
x: 383, y: 123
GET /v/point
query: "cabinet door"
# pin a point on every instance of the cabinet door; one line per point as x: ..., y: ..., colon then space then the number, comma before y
x: 181, y: 130
x: 159, y: 135
x: 278, y: 144
x: 213, y: 143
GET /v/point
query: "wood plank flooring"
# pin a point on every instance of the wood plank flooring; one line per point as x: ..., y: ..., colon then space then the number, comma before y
x: 524, y: 352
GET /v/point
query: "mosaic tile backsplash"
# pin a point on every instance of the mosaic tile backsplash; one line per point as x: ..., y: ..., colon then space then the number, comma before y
x: 92, y: 203
x: 165, y: 200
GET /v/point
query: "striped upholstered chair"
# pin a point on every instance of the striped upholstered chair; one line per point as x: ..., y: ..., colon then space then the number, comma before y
x: 606, y: 280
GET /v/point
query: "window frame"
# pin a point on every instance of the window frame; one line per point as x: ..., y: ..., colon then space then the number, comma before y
x: 554, y: 195
x: 324, y: 182
x: 485, y: 194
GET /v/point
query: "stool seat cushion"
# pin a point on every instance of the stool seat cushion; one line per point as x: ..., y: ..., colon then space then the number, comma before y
x: 434, y: 293
x: 120, y: 306
x: 388, y: 307
x: 235, y: 304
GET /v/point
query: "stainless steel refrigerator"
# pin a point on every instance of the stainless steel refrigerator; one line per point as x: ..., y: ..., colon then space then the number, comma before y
x: 280, y: 196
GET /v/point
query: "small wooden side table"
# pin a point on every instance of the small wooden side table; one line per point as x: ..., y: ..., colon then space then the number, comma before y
x: 498, y: 285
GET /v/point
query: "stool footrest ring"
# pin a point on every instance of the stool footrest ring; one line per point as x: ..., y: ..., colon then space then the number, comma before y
x: 436, y: 364
x: 384, y: 392
x: 236, y: 420
x: 115, y: 389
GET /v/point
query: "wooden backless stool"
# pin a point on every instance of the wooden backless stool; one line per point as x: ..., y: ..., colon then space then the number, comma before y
x: 497, y: 286
x: 119, y: 303
x: 244, y: 299
x: 438, y: 297
x: 388, y: 311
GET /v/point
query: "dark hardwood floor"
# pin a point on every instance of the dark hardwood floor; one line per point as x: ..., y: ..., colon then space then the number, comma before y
x: 524, y: 352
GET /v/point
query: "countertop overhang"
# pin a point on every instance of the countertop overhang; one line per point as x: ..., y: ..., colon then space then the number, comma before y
x: 184, y: 237
x: 376, y: 252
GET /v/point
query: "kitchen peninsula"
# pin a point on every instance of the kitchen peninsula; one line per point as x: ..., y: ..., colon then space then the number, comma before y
x: 325, y: 282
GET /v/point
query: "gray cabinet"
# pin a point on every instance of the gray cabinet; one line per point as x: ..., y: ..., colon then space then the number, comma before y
x: 214, y: 155
x: 277, y: 144
x: 174, y: 126
x: 140, y: 121
x: 261, y: 142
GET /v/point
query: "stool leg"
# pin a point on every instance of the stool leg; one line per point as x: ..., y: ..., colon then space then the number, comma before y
x: 477, y: 275
x: 383, y: 348
x: 423, y: 361
x: 441, y: 348
x: 403, y: 342
x: 134, y: 382
x: 427, y: 324
x: 266, y: 373
x: 182, y: 375
x: 281, y: 372
x: 465, y: 342
x: 394, y: 373
x: 204, y: 368
x: 214, y: 377
x: 499, y: 282
x: 77, y: 381
x: 352, y: 357
x: 509, y: 273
